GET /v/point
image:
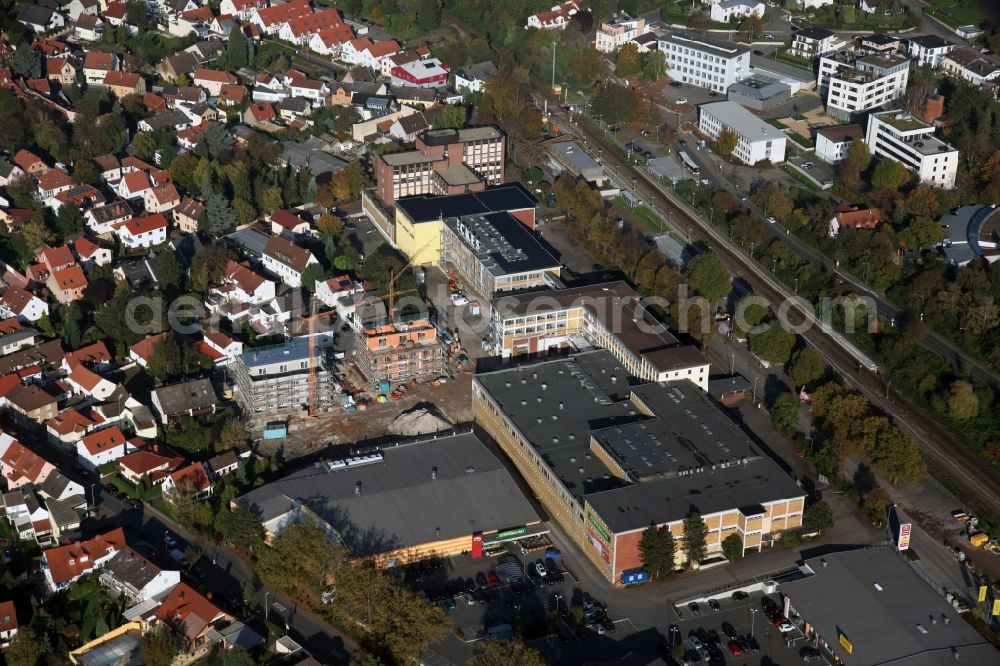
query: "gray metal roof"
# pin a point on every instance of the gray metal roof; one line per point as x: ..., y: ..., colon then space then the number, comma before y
x: 191, y: 395
x: 758, y: 86
x: 741, y: 121
x: 883, y: 625
x: 573, y: 155
x: 399, y: 504
x: 128, y: 566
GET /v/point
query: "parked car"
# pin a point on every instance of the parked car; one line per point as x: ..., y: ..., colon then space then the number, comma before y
x: 459, y: 299
x: 740, y: 595
x: 676, y: 84
x: 783, y: 625
x: 695, y: 641
x: 608, y: 625
x: 682, y: 100
x: 481, y: 579
x: 808, y: 653
x: 752, y: 644
x: 714, y: 605
x: 493, y: 579
x: 734, y: 648
x: 169, y: 539
x: 770, y: 219
x: 729, y: 630
x: 695, y: 608
x: 469, y: 599
x: 540, y: 568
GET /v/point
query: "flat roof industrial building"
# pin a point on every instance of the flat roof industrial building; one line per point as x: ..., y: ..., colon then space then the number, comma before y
x: 608, y: 457
x: 402, y: 502
x: 869, y: 607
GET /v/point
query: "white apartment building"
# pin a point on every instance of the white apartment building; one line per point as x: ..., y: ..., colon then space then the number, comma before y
x: 834, y: 142
x: 911, y: 142
x: 853, y: 86
x: 813, y: 42
x: 928, y: 50
x: 757, y: 141
x: 614, y: 34
x: 703, y: 61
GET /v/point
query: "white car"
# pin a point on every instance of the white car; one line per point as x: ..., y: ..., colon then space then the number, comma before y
x: 785, y: 627
x: 540, y: 568
x: 682, y: 100
x: 770, y: 218
x: 459, y: 300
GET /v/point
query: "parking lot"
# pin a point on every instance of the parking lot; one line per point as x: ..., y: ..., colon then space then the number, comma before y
x: 527, y: 594
x: 746, y: 630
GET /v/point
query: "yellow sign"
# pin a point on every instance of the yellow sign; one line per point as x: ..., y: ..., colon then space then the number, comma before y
x: 982, y: 593
x: 996, y: 606
x: 846, y: 644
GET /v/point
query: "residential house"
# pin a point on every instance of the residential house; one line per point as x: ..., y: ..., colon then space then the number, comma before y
x: 161, y: 198
x: 294, y: 110
x: 472, y: 78
x: 315, y: 91
x: 331, y: 290
x: 622, y: 29
x: 96, y: 66
x: 287, y: 260
x: 556, y: 18
x: 61, y: 69
x: 212, y: 80
x: 241, y: 8
x: 154, y: 462
x: 102, y: 447
x: 16, y: 302
x: 9, y: 172
x: 365, y: 52
x: 188, y: 214
x: 90, y: 254
x: 84, y: 381
x: 191, y: 618
x: 89, y: 28
x: 30, y: 163
x: 171, y: 67
x: 77, y: 8
x: 64, y: 564
x: 67, y: 284
x: 262, y: 115
x: 246, y: 286
x: 289, y: 224
x: 928, y: 50
x: 225, y: 463
x: 813, y: 42
x: 231, y: 94
x: 834, y: 142
x: 143, y: 350
x: 8, y: 622
x: 32, y: 403
x: 969, y: 65
x: 132, y: 576
x: 147, y: 231
x: 123, y: 84
x: 329, y: 41
x: 173, y: 120
x: 82, y: 196
x: 300, y: 29
x: 886, y: 7
x: 109, y: 167
x: 195, y: 397
x: 222, y: 343
x: 850, y: 217
x: 20, y: 465
x: 133, y: 185
x: 728, y: 10
x: 51, y: 183
x: 270, y: 19
x: 191, y: 480
x: 69, y: 427
x: 106, y: 219
x: 55, y: 258
x: 40, y: 19
x: 27, y: 516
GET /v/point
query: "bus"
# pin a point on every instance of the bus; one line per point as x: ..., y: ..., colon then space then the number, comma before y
x: 689, y: 163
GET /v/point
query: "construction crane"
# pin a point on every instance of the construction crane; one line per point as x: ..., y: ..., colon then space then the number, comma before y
x: 311, y: 322
x: 391, y: 292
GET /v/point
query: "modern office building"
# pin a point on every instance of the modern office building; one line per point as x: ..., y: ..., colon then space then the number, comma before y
x: 609, y: 316
x: 703, y: 61
x: 446, y: 161
x: 854, y: 86
x: 619, y: 31
x: 868, y: 606
x: 756, y: 140
x: 276, y: 378
x: 636, y: 456
x: 928, y: 50
x: 405, y: 502
x: 399, y: 351
x: 911, y: 142
x: 759, y: 92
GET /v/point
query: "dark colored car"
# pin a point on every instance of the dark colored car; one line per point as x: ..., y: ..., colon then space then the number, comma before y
x: 692, y: 656
x: 740, y: 595
x: 608, y: 625
x: 729, y: 630
x: 676, y: 84
x: 808, y: 652
x: 481, y: 579
x: 695, y: 608
x: 758, y: 52
x: 714, y: 605
x: 752, y: 644
x: 713, y: 637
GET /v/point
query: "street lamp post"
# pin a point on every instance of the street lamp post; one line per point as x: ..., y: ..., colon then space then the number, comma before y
x: 266, y: 608
x: 753, y: 616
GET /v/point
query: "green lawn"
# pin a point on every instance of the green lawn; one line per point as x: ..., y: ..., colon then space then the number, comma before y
x: 833, y: 18
x: 799, y: 139
x: 959, y: 12
x: 784, y: 56
x: 639, y: 216
x: 799, y: 177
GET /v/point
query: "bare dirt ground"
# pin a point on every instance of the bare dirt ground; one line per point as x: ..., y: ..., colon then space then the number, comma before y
x: 340, y: 428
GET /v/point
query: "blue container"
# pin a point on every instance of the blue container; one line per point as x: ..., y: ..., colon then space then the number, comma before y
x: 634, y: 576
x: 383, y: 387
x: 275, y: 431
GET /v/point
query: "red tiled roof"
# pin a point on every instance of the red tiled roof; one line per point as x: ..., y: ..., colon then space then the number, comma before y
x: 99, y: 60
x: 104, y: 440
x: 860, y: 219
x: 187, y: 612
x: 122, y: 79
x: 57, y: 256
x: 15, y: 299
x: 286, y: 219
x: 313, y: 23
x: 217, y: 337
x: 71, y: 421
x: 262, y: 111
x: 54, y: 178
x: 154, y: 102
x: 70, y: 278
x: 213, y: 75
x: 140, y: 225
x: 11, y: 325
x: 193, y: 473
x: 166, y: 193
x: 207, y: 350
x: 283, y: 13
x: 135, y: 182
x: 232, y: 93
x: 199, y: 14
x: 145, y: 461
x: 66, y: 563
x: 23, y: 465
x: 244, y: 276
x: 84, y: 377
x: 145, y: 347
x: 54, y: 66
x: 84, y: 247
x: 95, y: 352
x: 8, y: 616
x: 26, y: 159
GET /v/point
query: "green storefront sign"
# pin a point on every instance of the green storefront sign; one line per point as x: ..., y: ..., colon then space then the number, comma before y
x: 600, y: 529
x: 511, y: 532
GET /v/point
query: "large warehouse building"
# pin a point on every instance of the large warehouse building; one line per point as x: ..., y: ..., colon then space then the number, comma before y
x: 607, y: 459
x: 405, y: 502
